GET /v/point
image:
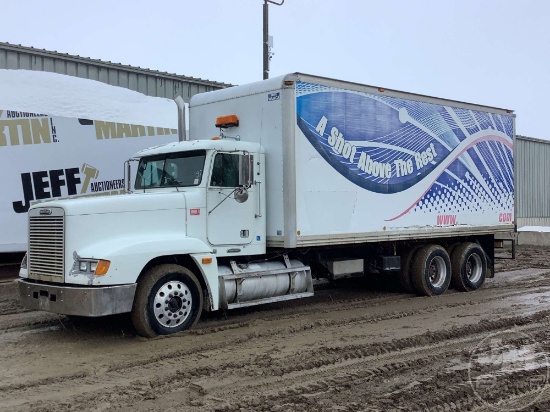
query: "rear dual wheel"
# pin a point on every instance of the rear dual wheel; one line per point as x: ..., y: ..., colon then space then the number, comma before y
x: 431, y: 270
x: 405, y: 275
x: 469, y: 265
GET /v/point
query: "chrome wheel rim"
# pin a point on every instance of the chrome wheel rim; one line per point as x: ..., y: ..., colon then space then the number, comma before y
x: 474, y: 268
x: 437, y: 272
x: 172, y: 304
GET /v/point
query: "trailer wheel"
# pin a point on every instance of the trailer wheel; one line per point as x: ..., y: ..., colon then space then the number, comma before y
x: 451, y: 248
x: 469, y: 267
x: 431, y: 270
x: 168, y: 300
x: 405, y: 275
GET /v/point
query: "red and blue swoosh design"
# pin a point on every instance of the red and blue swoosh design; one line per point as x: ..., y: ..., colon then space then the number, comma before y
x: 442, y: 154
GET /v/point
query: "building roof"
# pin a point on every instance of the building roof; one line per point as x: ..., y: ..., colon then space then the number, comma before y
x: 108, y: 64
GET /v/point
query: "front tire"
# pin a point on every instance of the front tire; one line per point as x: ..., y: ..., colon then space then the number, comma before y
x: 168, y: 299
x: 469, y: 267
x: 431, y: 270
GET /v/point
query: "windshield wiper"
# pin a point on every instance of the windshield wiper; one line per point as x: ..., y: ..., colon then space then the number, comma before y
x: 168, y: 177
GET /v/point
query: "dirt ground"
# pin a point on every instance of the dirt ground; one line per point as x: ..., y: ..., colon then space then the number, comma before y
x: 356, y: 346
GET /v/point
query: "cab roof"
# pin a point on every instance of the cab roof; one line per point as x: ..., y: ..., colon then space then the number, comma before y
x: 223, y: 145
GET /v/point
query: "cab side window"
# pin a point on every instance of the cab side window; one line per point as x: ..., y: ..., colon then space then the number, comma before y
x: 225, y: 172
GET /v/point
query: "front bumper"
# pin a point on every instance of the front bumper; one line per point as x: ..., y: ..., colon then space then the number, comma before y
x: 79, y: 301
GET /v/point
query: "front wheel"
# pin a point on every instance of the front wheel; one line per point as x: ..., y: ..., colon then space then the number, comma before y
x: 168, y: 300
x: 431, y: 270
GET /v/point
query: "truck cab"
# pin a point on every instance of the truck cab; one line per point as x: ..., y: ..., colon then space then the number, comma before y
x: 218, y: 179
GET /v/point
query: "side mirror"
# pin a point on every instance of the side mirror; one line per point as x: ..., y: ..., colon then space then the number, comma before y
x: 128, y: 174
x: 241, y: 194
x: 246, y: 170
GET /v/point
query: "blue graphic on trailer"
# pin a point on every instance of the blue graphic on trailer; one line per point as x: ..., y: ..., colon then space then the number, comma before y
x: 462, y: 158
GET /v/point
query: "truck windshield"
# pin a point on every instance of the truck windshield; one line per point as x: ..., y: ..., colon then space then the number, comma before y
x: 172, y: 169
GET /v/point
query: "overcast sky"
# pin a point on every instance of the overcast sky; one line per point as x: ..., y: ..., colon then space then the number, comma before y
x: 492, y: 52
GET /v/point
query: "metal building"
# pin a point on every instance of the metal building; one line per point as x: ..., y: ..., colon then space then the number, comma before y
x: 146, y: 81
x: 532, y: 181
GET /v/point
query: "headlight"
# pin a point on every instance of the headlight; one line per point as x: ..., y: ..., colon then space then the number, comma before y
x: 97, y: 267
x: 24, y: 262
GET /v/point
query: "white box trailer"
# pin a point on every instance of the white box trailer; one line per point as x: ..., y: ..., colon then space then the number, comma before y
x: 305, y: 177
x: 350, y: 163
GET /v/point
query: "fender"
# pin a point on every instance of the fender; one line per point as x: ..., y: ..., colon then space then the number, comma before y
x: 129, y: 254
x: 210, y: 274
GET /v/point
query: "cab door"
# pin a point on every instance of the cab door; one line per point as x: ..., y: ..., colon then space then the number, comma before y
x: 230, y: 199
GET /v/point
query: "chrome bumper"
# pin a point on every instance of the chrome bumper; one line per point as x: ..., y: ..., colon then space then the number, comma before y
x: 74, y: 300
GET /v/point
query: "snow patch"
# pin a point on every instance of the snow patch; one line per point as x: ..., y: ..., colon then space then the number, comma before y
x: 67, y: 96
x: 534, y: 229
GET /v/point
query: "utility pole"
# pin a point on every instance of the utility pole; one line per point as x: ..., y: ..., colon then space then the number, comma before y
x: 267, y: 56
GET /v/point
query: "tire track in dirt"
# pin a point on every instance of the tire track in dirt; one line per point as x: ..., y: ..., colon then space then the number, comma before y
x: 444, y: 391
x: 287, y: 331
x: 329, y: 357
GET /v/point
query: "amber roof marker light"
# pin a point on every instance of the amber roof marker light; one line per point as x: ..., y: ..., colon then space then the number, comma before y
x: 230, y: 120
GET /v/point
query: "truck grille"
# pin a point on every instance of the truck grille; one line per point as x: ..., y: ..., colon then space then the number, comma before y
x: 46, y: 244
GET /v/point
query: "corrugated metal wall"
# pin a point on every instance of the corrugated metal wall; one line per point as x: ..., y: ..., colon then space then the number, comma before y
x: 146, y: 81
x: 532, y: 171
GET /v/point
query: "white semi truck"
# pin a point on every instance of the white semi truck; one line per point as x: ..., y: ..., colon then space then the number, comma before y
x: 289, y: 179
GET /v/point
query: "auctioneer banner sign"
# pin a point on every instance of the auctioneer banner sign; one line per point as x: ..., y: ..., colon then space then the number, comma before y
x: 44, y: 158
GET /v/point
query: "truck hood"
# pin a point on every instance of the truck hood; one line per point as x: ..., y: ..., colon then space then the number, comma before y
x: 134, y: 202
